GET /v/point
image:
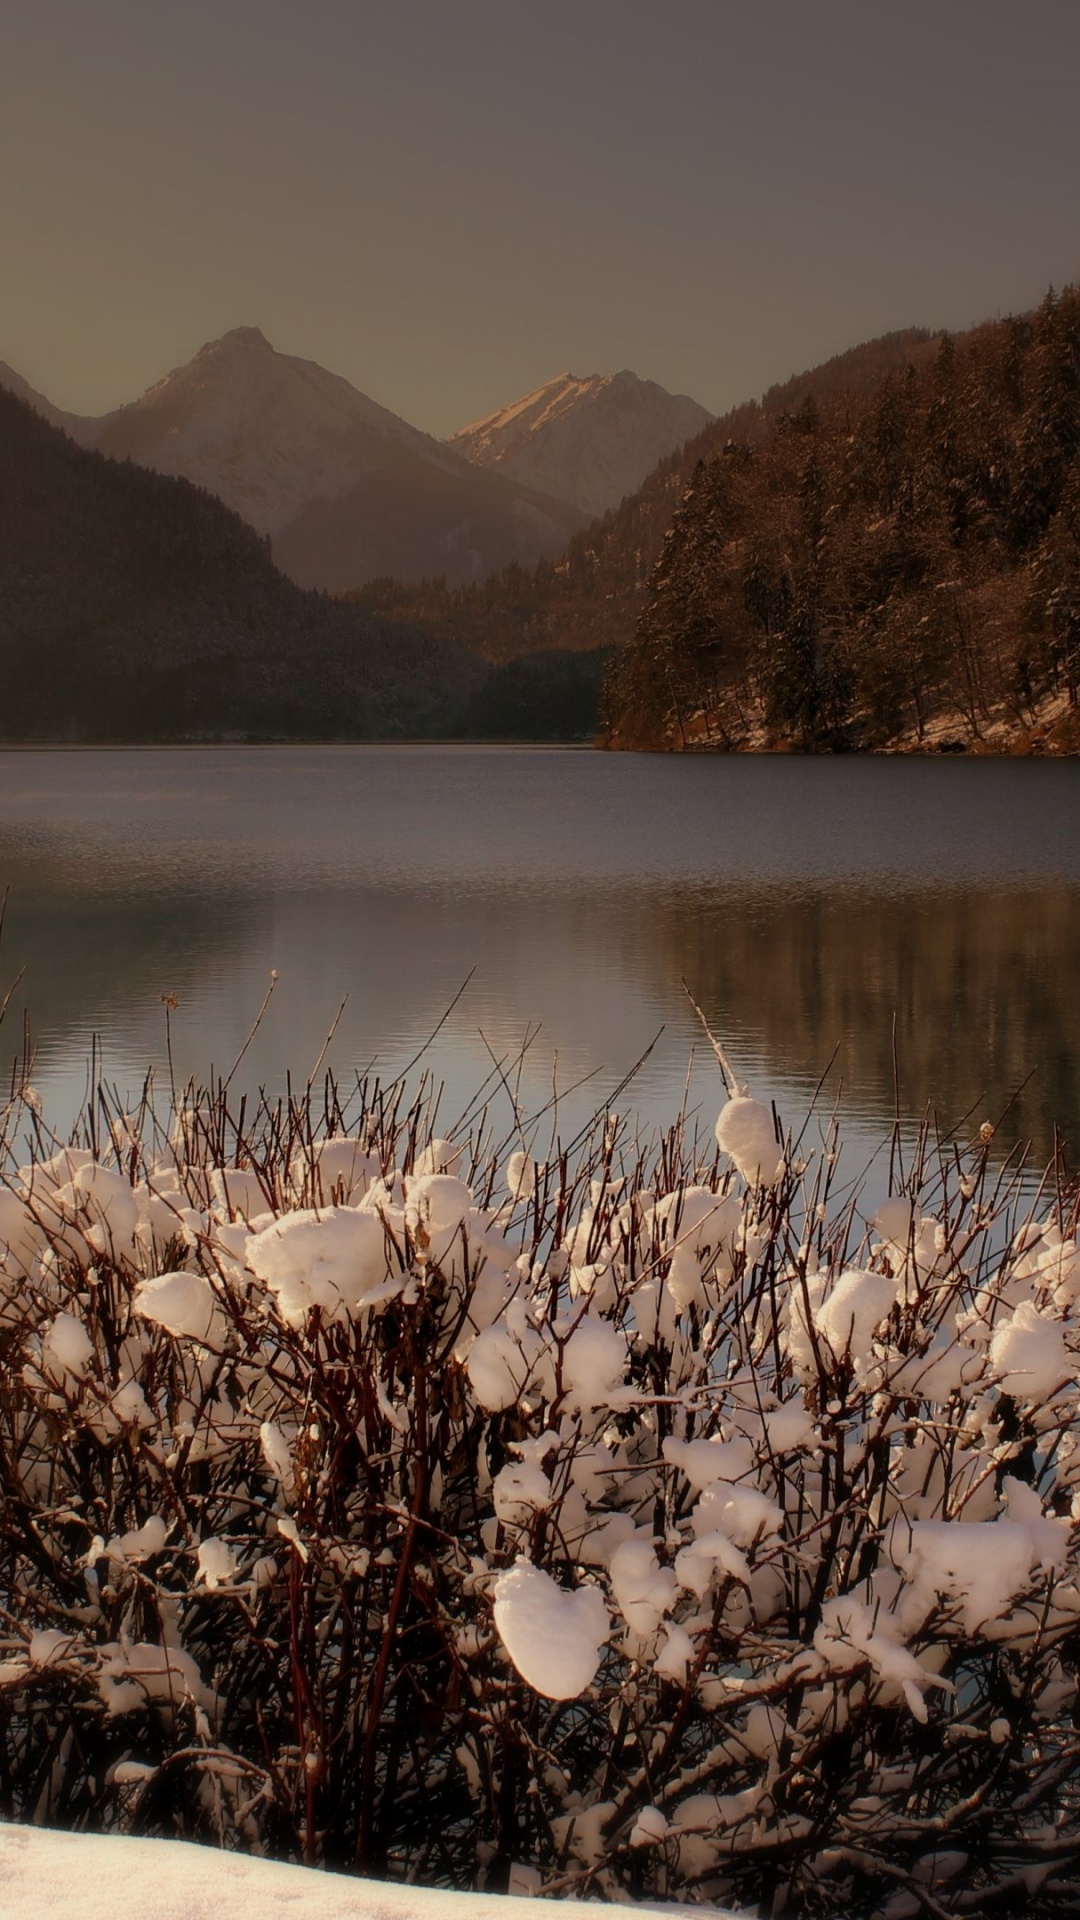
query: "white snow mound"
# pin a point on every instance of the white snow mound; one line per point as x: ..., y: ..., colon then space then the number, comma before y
x: 81, y: 1876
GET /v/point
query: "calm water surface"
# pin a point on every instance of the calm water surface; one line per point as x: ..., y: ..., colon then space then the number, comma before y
x: 814, y: 907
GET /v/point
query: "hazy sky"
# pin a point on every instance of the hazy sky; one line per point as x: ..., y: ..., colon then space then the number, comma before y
x: 451, y: 200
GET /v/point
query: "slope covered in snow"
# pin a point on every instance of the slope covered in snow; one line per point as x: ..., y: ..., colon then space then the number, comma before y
x: 344, y: 489
x: 588, y: 440
x: 82, y: 1876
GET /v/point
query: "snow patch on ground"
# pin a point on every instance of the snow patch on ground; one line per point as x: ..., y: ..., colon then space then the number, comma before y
x: 82, y: 1876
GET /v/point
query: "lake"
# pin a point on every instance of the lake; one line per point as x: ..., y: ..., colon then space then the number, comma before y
x: 857, y: 912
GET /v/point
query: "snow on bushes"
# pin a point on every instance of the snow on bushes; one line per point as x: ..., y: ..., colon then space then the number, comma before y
x: 641, y: 1526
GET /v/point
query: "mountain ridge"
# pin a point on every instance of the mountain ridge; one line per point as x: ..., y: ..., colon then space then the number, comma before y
x: 348, y: 491
x: 69, y: 423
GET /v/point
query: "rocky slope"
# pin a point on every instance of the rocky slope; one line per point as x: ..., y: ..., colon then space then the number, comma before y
x: 588, y: 440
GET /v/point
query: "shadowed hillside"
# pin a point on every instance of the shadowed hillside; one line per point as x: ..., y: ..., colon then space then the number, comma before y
x: 136, y: 607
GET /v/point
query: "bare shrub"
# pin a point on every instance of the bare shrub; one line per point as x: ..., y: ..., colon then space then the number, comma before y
x: 645, y: 1525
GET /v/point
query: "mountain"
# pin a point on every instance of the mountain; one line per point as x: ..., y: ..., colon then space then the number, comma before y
x: 134, y: 606
x: 344, y: 488
x: 897, y: 569
x: 590, y: 441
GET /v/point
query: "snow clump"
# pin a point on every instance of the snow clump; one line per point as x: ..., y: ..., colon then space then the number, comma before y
x: 746, y: 1133
x: 553, y: 1637
x: 332, y: 1258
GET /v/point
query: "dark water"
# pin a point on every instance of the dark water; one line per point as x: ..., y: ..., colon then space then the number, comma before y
x: 867, y: 909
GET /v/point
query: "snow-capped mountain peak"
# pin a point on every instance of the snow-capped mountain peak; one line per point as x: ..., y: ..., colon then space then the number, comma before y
x: 588, y: 438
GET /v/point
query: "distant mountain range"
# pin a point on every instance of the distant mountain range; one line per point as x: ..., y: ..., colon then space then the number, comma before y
x: 347, y: 492
x: 591, y: 441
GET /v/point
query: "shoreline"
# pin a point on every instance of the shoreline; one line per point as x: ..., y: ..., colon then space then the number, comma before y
x: 1022, y: 748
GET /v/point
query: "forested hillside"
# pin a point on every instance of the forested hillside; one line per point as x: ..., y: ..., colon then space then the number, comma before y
x: 594, y: 595
x: 137, y: 607
x: 896, y: 567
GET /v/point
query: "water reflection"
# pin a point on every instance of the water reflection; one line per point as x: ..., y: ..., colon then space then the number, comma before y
x: 805, y: 903
x: 956, y: 1002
